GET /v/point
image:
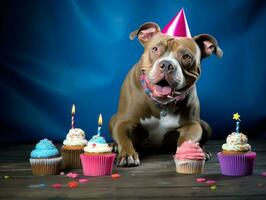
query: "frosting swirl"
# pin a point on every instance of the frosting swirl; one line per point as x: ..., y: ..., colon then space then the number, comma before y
x: 97, y: 144
x: 189, y: 151
x: 236, y: 142
x: 43, y: 149
x: 75, y: 137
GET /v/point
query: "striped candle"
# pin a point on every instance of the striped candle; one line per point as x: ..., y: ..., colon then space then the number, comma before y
x: 237, y: 126
x: 100, y: 122
x: 73, y: 116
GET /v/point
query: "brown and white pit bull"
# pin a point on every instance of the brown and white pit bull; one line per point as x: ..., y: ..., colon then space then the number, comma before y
x: 159, y: 95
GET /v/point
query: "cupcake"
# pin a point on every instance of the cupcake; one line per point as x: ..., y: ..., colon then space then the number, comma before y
x: 45, y: 159
x: 189, y: 158
x: 72, y: 148
x: 98, y: 158
x: 236, y: 158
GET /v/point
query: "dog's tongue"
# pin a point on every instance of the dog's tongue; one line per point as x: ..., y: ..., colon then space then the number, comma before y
x: 162, y: 91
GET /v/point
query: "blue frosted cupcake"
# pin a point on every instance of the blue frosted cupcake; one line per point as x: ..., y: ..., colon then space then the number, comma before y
x: 45, y: 159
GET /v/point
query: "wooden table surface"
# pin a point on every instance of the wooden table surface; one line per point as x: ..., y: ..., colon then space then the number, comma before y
x: 155, y: 178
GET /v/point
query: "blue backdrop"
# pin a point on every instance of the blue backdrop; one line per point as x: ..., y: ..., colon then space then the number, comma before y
x: 55, y: 53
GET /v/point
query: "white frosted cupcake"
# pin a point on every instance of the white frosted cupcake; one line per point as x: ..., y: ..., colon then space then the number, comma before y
x: 236, y: 158
x: 72, y: 148
x: 98, y: 158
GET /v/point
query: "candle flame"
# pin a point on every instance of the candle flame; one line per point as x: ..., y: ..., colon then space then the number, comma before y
x: 100, y: 120
x: 73, y: 109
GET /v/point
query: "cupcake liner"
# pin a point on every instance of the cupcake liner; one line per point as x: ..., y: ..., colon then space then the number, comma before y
x: 71, y: 158
x: 189, y: 166
x: 45, y: 166
x: 237, y: 164
x: 97, y: 165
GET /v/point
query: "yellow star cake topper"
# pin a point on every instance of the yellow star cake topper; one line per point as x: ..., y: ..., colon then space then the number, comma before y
x: 236, y: 117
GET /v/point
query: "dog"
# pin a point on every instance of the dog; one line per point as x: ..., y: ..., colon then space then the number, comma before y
x: 158, y: 98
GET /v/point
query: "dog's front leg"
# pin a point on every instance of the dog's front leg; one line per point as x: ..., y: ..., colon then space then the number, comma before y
x: 127, y: 157
x: 190, y: 131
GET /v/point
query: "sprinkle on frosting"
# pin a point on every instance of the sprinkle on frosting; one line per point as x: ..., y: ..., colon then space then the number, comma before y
x: 75, y: 137
x: 236, y: 142
x: 43, y: 149
x: 189, y: 151
x: 97, y: 144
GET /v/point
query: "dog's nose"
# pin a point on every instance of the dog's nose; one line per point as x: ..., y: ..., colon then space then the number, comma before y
x: 166, y: 65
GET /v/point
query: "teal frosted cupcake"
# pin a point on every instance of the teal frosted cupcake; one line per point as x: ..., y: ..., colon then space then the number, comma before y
x: 45, y: 159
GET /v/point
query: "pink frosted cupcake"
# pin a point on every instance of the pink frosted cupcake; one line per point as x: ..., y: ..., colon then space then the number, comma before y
x: 236, y: 158
x: 98, y: 159
x: 189, y: 158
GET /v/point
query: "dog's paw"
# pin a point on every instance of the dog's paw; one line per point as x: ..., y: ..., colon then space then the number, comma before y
x: 208, y: 155
x: 128, y: 159
x: 114, y: 147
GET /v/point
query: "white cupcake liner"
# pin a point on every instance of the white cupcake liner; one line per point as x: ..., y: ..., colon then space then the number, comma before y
x: 189, y: 166
x: 45, y: 166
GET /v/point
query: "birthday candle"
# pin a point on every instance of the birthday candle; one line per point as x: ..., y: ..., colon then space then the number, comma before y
x: 73, y: 116
x: 100, y: 122
x: 237, y: 126
x: 236, y: 117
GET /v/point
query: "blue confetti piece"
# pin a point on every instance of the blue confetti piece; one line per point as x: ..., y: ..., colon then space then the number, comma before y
x: 37, y: 185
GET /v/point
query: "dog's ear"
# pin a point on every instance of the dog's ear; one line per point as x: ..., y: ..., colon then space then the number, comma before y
x: 145, y: 32
x: 208, y: 45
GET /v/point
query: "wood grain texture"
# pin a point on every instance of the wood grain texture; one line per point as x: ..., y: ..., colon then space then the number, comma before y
x: 155, y: 179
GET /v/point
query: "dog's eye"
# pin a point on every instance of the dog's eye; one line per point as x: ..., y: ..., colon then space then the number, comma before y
x: 186, y: 57
x: 154, y: 49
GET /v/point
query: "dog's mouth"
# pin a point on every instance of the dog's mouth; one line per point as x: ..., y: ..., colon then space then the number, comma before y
x: 162, y: 88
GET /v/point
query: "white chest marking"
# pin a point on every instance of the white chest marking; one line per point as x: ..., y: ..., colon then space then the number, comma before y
x: 157, y: 128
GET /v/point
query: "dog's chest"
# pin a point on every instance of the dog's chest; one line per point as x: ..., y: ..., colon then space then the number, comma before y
x: 158, y: 127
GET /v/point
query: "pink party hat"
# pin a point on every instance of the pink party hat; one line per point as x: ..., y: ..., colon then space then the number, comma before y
x: 178, y: 26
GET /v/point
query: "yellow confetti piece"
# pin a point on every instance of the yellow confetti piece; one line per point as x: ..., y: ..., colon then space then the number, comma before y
x: 213, y: 187
x: 6, y: 177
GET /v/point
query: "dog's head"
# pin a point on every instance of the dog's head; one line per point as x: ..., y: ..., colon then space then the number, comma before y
x: 172, y: 64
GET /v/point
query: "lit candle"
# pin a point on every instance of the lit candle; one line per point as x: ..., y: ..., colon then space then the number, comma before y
x: 236, y: 117
x: 100, y: 122
x: 73, y: 116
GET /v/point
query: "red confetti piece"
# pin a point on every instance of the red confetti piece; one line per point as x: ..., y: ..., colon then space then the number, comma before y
x: 83, y: 180
x: 114, y: 176
x: 57, y: 185
x: 263, y: 173
x: 201, y: 180
x: 73, y: 184
x: 210, y: 182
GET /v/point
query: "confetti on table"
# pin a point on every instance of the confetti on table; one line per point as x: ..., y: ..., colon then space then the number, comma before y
x: 201, y: 180
x: 263, y: 173
x: 83, y: 180
x: 210, y: 182
x: 6, y: 177
x: 57, y: 185
x: 72, y: 175
x: 114, y: 176
x: 213, y: 187
x: 73, y: 184
x: 37, y: 185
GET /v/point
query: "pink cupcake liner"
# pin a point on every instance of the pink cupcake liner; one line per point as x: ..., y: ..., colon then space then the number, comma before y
x: 237, y: 164
x: 97, y: 165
